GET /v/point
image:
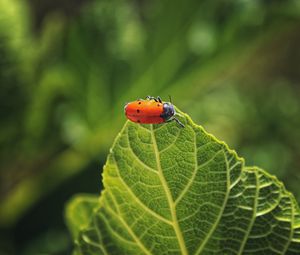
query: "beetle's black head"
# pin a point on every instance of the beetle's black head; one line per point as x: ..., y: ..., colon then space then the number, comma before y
x: 168, y: 111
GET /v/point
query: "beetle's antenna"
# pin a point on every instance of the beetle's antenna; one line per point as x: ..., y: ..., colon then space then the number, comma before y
x: 170, y: 99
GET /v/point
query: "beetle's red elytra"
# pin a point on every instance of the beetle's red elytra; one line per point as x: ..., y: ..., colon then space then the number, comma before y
x: 152, y: 110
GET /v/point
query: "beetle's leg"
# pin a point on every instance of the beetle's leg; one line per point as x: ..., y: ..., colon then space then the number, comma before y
x: 178, y: 122
x: 159, y: 99
x: 151, y: 98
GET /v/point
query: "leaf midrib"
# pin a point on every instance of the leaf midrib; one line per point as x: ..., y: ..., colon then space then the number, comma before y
x: 169, y: 197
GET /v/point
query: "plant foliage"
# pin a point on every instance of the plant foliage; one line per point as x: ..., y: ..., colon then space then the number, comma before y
x: 172, y: 190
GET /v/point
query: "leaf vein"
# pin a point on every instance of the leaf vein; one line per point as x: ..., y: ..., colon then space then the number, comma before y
x: 242, y: 247
x: 169, y: 197
x: 135, y: 197
x: 292, y: 229
x: 131, y: 232
x: 200, y: 248
x: 99, y: 238
x: 194, y: 174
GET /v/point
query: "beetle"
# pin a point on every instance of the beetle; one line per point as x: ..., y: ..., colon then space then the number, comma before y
x: 151, y: 110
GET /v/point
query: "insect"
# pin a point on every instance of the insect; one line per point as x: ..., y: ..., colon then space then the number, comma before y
x: 152, y: 110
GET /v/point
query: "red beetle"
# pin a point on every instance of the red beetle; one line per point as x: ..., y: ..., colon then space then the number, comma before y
x: 151, y: 111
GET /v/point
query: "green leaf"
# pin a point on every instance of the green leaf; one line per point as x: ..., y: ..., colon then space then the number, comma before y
x: 79, y: 212
x: 172, y: 190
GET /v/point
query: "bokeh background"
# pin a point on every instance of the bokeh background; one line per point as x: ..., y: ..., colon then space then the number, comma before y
x: 68, y: 67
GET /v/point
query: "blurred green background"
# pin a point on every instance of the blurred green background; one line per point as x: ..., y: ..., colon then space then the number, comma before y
x: 68, y: 67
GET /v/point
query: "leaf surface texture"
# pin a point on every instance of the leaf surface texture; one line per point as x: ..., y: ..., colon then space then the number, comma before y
x: 172, y: 190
